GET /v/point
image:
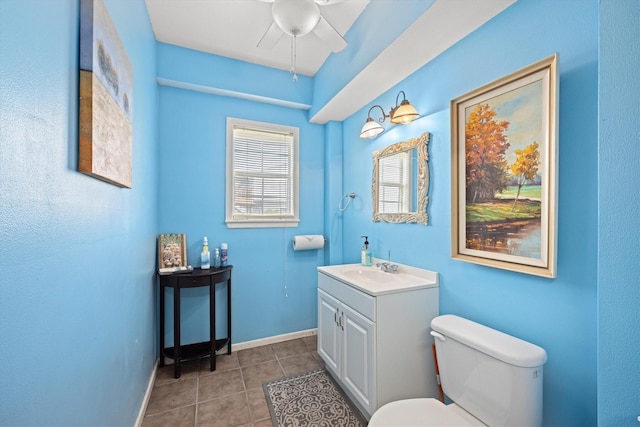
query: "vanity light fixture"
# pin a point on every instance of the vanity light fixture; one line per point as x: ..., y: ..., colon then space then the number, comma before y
x: 403, y: 114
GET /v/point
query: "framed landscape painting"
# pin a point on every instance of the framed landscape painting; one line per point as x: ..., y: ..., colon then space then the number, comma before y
x: 504, y: 172
x: 106, y: 98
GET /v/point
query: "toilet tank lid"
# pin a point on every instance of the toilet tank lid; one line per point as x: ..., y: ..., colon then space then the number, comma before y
x: 507, y: 348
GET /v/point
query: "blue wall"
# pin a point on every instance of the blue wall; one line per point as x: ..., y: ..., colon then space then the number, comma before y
x: 560, y: 314
x: 192, y: 138
x: 77, y: 255
x: 618, y: 205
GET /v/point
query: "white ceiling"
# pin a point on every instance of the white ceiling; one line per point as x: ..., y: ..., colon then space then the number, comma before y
x: 233, y: 28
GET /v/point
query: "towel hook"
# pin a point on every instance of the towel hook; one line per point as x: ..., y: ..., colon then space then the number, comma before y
x: 351, y: 197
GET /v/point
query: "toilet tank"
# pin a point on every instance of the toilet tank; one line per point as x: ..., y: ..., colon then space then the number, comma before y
x: 495, y: 377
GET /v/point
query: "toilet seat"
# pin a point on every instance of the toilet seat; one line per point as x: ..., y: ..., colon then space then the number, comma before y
x: 422, y: 412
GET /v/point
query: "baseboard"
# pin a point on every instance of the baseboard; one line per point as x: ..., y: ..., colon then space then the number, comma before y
x: 274, y: 339
x: 147, y: 395
x: 262, y: 341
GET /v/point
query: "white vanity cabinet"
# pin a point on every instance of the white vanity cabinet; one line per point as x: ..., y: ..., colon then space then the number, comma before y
x: 375, y: 340
x: 346, y: 342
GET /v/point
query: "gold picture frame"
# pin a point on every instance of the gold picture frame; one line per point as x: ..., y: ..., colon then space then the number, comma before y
x: 504, y: 172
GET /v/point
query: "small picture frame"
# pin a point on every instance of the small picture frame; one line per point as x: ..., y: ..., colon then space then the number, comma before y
x: 172, y: 252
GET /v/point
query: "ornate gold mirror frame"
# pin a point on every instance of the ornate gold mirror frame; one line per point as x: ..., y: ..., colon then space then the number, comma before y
x: 420, y: 215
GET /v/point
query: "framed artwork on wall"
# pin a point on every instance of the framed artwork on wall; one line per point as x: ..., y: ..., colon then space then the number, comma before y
x: 106, y: 99
x: 504, y: 172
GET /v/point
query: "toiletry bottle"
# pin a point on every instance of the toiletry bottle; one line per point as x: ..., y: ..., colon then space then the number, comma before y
x: 224, y: 254
x: 365, y: 255
x: 216, y: 258
x: 204, y: 255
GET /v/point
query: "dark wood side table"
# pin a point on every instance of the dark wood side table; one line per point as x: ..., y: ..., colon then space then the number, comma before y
x: 193, y: 279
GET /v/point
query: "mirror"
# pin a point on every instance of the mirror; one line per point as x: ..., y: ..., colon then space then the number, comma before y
x: 400, y: 181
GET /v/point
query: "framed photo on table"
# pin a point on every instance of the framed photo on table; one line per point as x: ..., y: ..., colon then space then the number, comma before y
x: 172, y: 253
x: 504, y: 172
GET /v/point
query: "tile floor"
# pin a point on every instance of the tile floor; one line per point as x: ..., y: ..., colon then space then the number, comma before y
x: 232, y: 395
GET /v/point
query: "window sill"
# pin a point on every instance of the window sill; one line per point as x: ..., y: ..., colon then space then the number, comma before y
x: 276, y: 223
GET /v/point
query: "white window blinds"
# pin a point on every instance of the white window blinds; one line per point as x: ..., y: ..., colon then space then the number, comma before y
x: 394, y: 195
x: 263, y: 174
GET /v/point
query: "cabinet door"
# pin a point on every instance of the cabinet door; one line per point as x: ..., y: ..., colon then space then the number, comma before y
x: 328, y: 332
x: 358, y: 357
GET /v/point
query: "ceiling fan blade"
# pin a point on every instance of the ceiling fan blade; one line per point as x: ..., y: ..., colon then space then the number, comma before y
x: 323, y: 2
x: 329, y: 35
x: 320, y: 2
x: 271, y: 37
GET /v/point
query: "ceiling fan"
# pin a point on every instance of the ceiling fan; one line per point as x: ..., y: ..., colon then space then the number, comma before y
x: 298, y: 18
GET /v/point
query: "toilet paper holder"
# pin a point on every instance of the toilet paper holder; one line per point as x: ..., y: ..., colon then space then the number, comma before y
x: 308, y: 241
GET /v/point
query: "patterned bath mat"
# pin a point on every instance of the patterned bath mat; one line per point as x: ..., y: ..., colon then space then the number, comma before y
x: 310, y: 400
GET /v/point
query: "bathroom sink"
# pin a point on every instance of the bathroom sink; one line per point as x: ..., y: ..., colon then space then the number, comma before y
x: 375, y: 282
x: 369, y: 275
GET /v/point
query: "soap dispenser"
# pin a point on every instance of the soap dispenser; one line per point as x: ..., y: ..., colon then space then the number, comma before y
x: 365, y: 256
x: 205, y: 257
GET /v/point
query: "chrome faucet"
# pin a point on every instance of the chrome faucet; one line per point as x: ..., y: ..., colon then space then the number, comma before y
x: 387, y: 267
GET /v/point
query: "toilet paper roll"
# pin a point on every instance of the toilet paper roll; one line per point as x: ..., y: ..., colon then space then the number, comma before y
x: 309, y: 241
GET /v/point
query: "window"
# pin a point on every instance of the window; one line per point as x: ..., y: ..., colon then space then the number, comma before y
x: 262, y: 175
x: 395, y: 183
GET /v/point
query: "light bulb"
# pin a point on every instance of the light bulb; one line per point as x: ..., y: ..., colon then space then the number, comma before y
x: 296, y: 17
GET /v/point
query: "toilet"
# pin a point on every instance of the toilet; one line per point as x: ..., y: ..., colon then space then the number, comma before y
x: 491, y: 379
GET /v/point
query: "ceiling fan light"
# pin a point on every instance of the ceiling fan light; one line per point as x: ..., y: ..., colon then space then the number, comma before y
x: 371, y: 129
x: 296, y: 17
x: 404, y: 113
